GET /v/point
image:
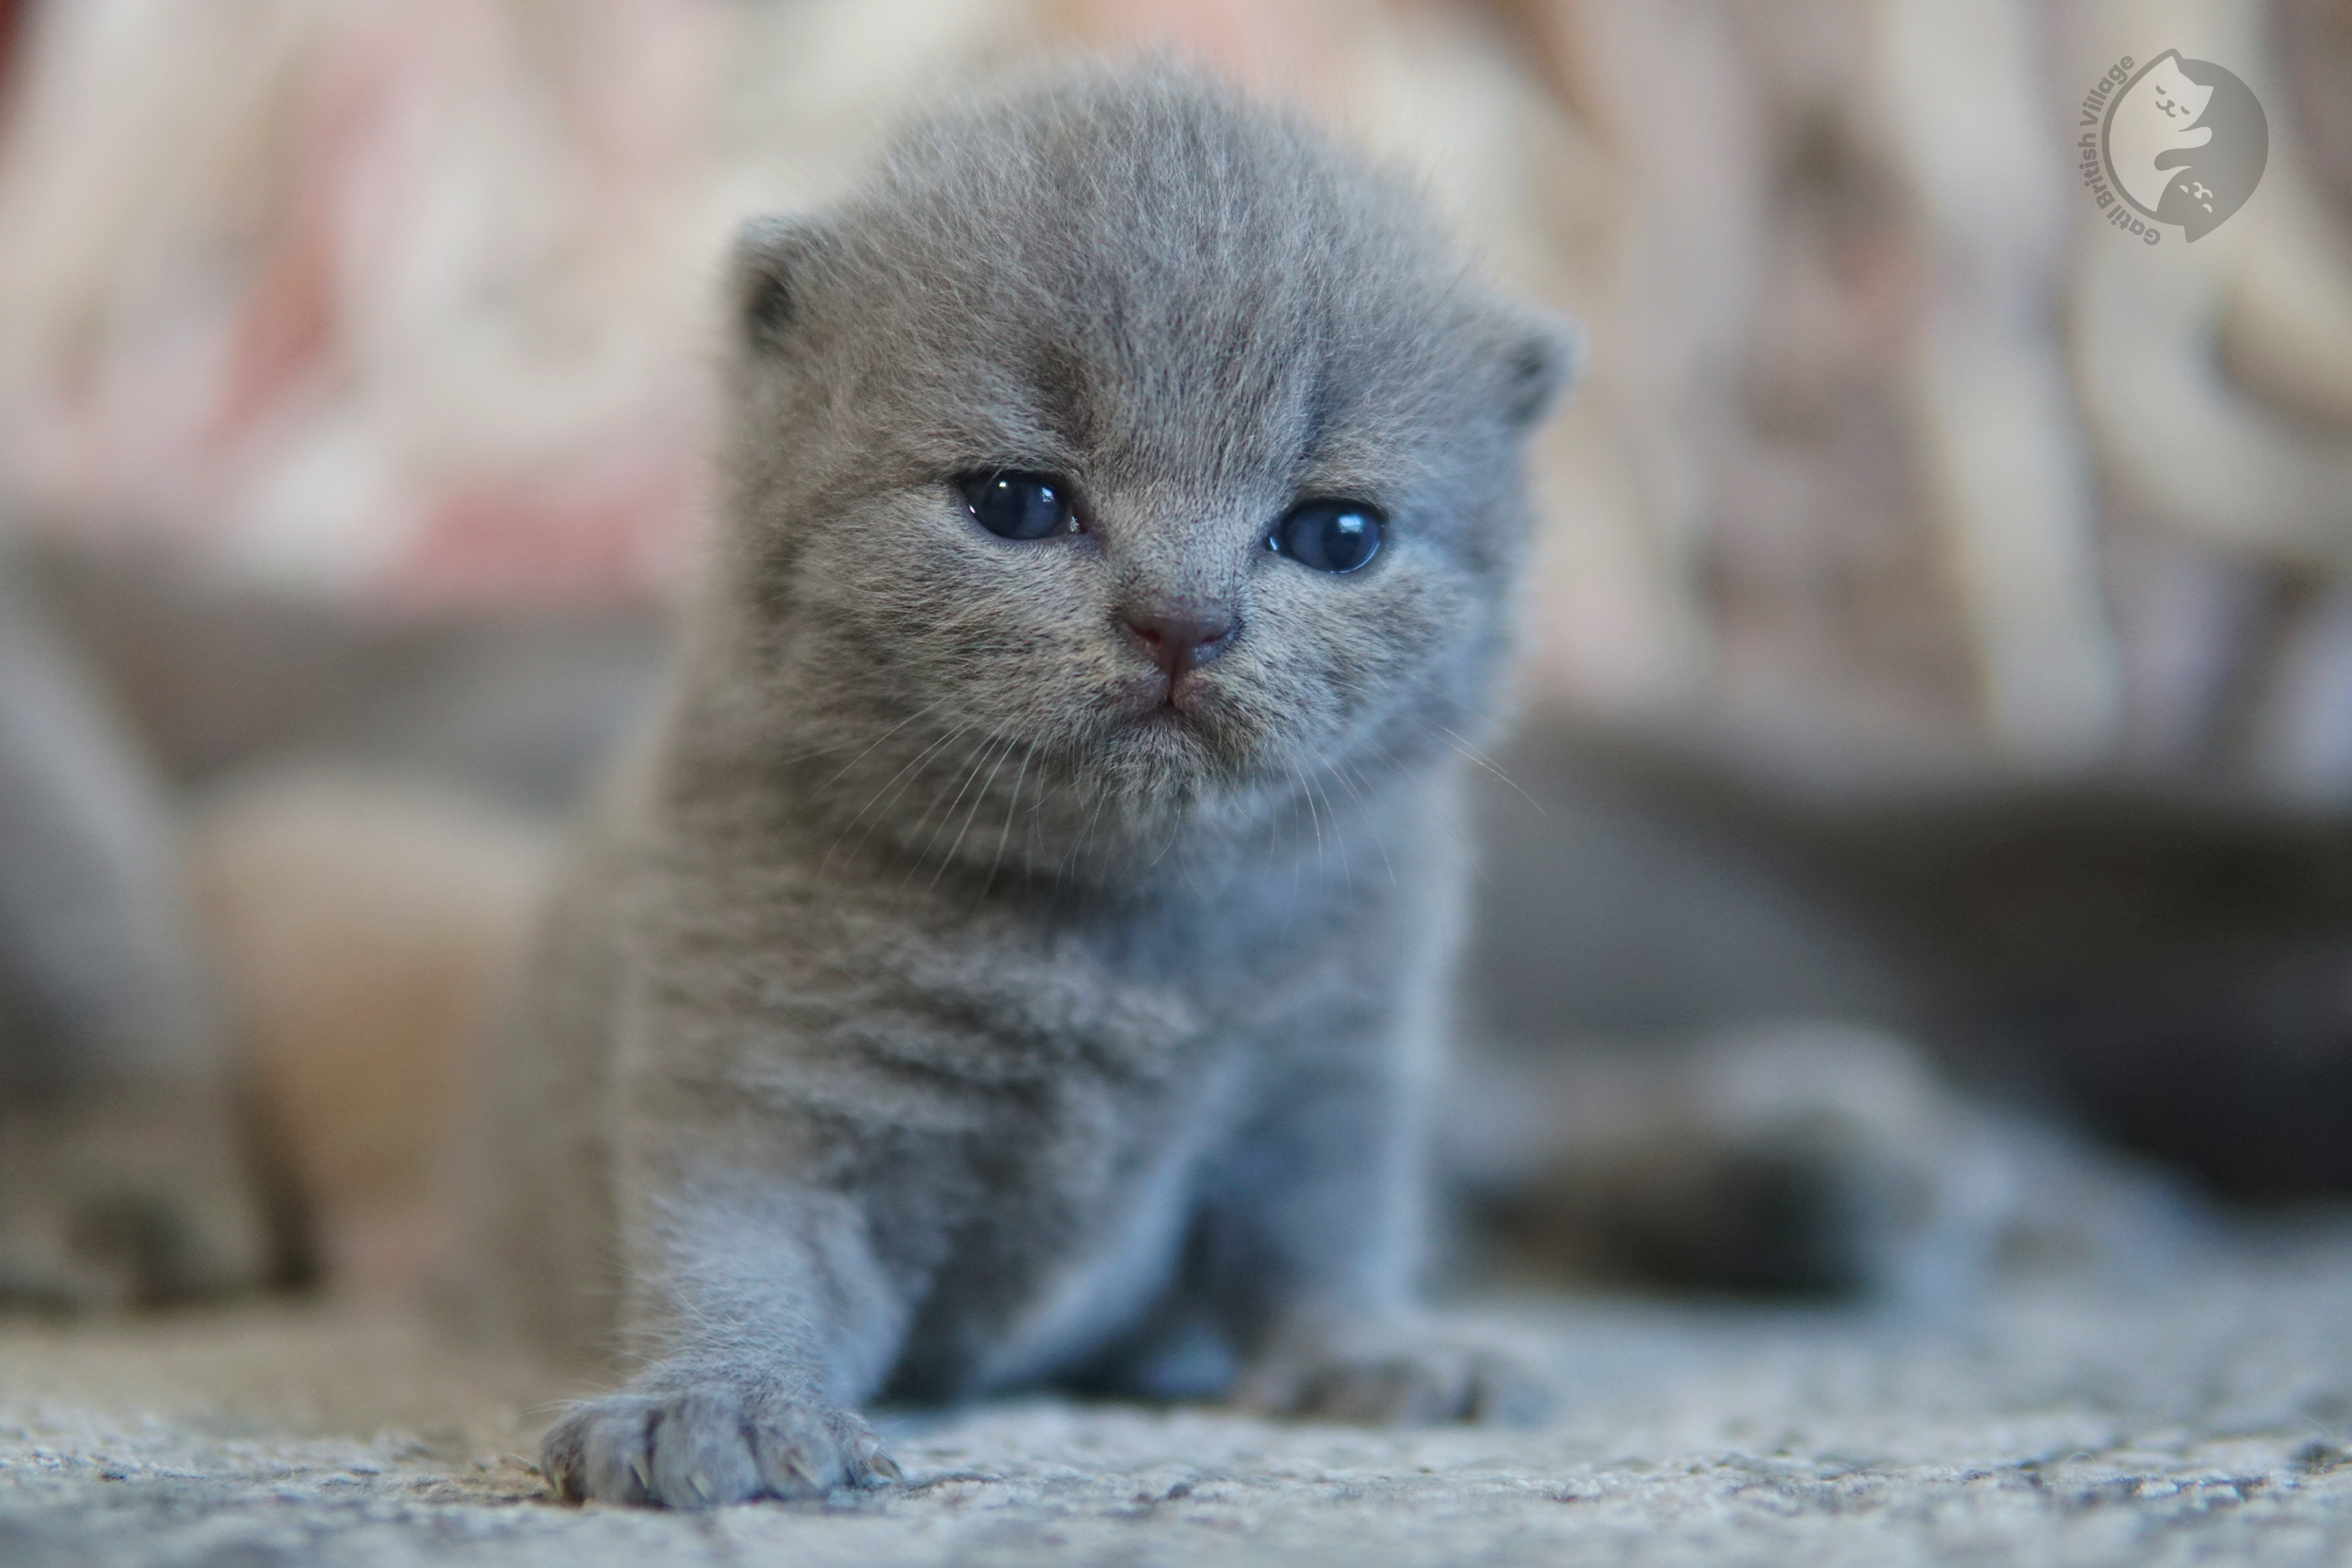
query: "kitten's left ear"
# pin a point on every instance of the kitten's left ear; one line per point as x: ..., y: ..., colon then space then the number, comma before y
x: 768, y: 276
x: 1539, y: 356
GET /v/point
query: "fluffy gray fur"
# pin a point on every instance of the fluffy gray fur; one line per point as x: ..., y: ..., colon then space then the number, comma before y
x: 951, y: 999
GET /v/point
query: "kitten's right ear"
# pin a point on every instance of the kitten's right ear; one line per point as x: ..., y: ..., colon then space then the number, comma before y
x: 1542, y: 357
x: 769, y: 273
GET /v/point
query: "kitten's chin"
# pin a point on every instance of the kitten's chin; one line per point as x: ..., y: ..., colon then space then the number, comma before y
x: 1164, y: 762
x: 1162, y: 742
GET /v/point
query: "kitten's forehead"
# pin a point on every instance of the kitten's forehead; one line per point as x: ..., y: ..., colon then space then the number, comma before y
x: 1162, y: 278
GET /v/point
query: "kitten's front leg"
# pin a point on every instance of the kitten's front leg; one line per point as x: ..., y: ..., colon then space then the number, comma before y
x: 766, y: 1318
x: 1311, y: 1248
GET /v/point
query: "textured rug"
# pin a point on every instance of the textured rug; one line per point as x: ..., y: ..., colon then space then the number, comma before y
x: 2208, y: 1422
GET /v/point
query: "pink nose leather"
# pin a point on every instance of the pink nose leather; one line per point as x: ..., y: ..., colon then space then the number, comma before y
x: 1182, y: 638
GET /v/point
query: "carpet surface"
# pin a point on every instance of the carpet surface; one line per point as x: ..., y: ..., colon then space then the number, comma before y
x: 2209, y: 1421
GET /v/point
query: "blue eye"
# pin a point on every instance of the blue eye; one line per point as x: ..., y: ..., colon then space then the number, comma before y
x: 1329, y: 535
x: 1019, y: 506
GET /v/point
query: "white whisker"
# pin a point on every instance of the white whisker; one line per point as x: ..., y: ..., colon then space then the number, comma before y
x: 1486, y: 762
x: 1002, y: 752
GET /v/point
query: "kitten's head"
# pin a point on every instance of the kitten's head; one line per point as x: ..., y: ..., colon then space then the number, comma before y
x: 1123, y: 468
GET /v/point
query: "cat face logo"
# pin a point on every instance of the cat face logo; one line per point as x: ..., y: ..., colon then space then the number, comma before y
x: 2183, y: 142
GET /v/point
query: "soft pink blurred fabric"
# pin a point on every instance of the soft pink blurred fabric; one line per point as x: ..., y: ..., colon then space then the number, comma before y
x: 407, y: 304
x: 393, y: 315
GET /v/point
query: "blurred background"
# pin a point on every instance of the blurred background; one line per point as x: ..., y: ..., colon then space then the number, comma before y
x: 1942, y: 623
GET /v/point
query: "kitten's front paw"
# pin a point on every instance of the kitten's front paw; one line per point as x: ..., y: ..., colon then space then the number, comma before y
x: 709, y: 1444
x: 1393, y: 1375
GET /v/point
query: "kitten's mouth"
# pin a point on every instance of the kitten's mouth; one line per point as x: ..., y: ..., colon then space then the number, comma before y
x: 1191, y: 722
x: 1165, y: 700
x: 1156, y: 706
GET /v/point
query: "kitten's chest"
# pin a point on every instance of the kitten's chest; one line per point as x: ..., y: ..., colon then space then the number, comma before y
x: 1108, y: 1206
x: 1082, y: 1094
x: 1076, y: 1191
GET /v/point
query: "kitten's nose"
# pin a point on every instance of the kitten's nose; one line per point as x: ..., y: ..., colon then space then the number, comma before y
x: 1177, y: 637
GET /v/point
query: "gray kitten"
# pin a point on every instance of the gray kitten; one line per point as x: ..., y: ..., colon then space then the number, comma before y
x: 1020, y: 954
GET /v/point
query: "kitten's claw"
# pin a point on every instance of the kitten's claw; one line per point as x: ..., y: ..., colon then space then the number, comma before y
x: 710, y: 1444
x: 1389, y: 1376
